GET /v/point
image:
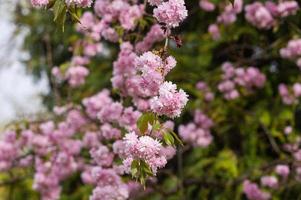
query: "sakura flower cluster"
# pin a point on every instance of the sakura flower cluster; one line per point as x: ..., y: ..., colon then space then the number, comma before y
x: 56, y: 151
x: 227, y: 16
x: 79, y: 3
x: 103, y: 108
x: 270, y: 183
x: 282, y: 170
x: 9, y: 150
x: 101, y: 126
x: 169, y: 102
x: 197, y: 133
x: 288, y: 95
x: 171, y: 12
x: 39, y: 3
x: 277, y: 176
x: 155, y: 34
x: 207, y: 5
x: 109, y: 184
x: 249, y: 78
x: 142, y: 78
x: 267, y: 15
x: 253, y: 192
x: 107, y: 13
x: 261, y: 15
x: 76, y: 73
x: 143, y: 148
x: 203, y: 87
x: 294, y: 150
x: 292, y: 51
x: 153, y: 70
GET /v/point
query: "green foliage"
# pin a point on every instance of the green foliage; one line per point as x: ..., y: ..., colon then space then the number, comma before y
x: 59, y: 11
x: 140, y: 170
x: 171, y: 138
x: 226, y: 164
x: 168, y: 139
x: 145, y: 120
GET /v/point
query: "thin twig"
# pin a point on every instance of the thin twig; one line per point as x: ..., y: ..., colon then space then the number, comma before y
x: 271, y: 139
x: 50, y: 64
x: 180, y: 171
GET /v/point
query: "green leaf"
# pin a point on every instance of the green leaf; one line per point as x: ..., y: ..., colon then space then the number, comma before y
x: 59, y: 10
x: 134, y: 172
x: 73, y: 13
x: 178, y: 140
x: 145, y: 172
x: 171, y: 138
x: 144, y: 120
x: 134, y: 168
x: 146, y: 168
x: 141, y: 170
x: 142, y: 180
x: 156, y: 126
x: 168, y: 139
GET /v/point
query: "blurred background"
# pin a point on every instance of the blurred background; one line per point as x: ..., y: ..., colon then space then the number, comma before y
x: 20, y: 92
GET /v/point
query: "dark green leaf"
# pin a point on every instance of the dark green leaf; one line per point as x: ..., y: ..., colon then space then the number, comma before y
x: 144, y: 120
x: 51, y: 4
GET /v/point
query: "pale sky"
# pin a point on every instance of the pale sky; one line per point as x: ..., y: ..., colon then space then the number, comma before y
x: 20, y: 93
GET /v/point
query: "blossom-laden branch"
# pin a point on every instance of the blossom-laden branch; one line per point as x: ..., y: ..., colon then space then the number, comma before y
x: 119, y: 140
